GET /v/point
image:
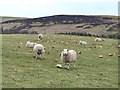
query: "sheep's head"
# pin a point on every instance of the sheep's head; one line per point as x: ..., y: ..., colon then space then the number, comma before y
x: 39, y: 36
x: 39, y: 51
x: 80, y: 42
x: 65, y: 52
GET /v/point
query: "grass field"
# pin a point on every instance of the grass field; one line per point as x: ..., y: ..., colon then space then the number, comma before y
x: 21, y: 70
x: 10, y: 18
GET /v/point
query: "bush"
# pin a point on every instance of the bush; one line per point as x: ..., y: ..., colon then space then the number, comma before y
x: 115, y: 36
x: 33, y: 32
x: 24, y: 32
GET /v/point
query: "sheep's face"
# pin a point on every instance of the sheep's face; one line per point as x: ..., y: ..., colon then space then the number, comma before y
x: 39, y: 36
x: 80, y: 42
x: 65, y: 52
x: 39, y: 52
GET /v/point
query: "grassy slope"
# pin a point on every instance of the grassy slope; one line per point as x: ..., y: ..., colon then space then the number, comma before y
x: 20, y: 69
x: 10, y: 18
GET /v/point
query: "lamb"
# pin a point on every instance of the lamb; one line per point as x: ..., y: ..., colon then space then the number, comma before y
x: 68, y: 57
x: 38, y: 50
x: 30, y: 44
x: 82, y: 43
x: 40, y: 36
x: 98, y: 39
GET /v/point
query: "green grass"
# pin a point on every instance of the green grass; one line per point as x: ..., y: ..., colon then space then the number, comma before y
x: 10, y: 18
x: 20, y: 69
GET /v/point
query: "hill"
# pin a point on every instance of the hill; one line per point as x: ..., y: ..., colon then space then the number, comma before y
x: 95, y: 25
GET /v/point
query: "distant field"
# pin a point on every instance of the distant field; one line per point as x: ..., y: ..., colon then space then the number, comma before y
x: 21, y: 70
x: 9, y: 18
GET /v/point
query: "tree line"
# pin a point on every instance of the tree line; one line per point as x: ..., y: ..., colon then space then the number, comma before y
x: 115, y: 36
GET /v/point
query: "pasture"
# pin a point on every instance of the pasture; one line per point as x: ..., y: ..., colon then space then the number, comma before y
x: 21, y: 70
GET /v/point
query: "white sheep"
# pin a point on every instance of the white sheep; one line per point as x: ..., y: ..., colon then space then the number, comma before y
x: 30, y: 44
x: 98, y: 39
x: 68, y: 57
x: 40, y: 36
x: 82, y: 43
x: 38, y: 50
x: 118, y: 45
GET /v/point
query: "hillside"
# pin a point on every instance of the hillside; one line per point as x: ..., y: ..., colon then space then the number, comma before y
x: 95, y: 25
x: 5, y: 18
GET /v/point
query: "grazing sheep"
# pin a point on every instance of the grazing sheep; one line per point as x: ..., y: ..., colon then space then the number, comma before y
x: 40, y: 36
x: 118, y: 45
x: 82, y: 43
x: 110, y: 54
x: 30, y: 44
x: 38, y: 50
x: 68, y: 57
x: 98, y: 39
x: 101, y: 56
x: 57, y: 50
x: 62, y: 42
x: 100, y: 46
x: 20, y: 43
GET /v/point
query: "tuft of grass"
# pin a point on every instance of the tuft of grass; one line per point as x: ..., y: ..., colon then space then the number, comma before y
x: 21, y: 70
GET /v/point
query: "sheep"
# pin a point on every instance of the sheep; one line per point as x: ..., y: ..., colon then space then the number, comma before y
x: 68, y: 57
x: 20, y: 43
x: 118, y: 45
x: 40, y: 36
x: 30, y: 44
x: 101, y: 56
x: 82, y: 43
x: 98, y: 39
x: 57, y: 50
x: 38, y: 50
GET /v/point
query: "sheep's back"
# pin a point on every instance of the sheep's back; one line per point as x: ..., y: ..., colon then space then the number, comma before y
x: 73, y: 55
x: 30, y: 45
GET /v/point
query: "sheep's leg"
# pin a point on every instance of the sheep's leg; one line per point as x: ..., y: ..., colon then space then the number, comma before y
x: 40, y: 56
x: 68, y: 64
x: 65, y: 65
x: 73, y: 64
x: 35, y: 55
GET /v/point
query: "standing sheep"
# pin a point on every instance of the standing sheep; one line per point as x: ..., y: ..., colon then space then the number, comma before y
x: 38, y: 50
x: 68, y: 57
x: 30, y: 44
x: 98, y: 39
x: 40, y: 36
x: 82, y: 43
